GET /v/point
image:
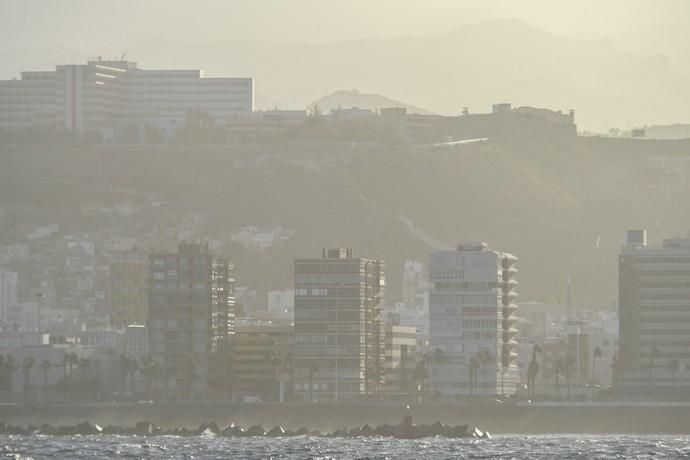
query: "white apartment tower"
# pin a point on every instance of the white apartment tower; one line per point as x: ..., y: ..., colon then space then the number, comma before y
x: 471, y: 322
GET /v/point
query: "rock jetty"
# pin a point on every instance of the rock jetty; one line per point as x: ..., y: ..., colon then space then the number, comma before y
x: 404, y: 430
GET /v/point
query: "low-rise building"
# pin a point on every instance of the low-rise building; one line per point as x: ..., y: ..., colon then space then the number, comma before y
x: 262, y: 361
x: 400, y: 360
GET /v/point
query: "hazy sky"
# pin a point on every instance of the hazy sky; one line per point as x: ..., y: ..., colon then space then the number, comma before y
x: 122, y: 22
x: 37, y: 34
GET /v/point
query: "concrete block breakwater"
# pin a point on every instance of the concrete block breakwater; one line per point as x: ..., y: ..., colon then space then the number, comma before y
x: 404, y: 430
x: 503, y: 419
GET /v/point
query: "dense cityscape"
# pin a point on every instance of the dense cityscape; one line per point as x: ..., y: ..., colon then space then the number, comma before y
x: 105, y: 317
x: 318, y: 229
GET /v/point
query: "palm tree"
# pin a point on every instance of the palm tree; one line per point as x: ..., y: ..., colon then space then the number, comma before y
x: 313, y: 368
x: 128, y: 368
x: 281, y: 366
x: 83, y: 364
x: 533, y: 371
x: 484, y: 357
x: 673, y: 367
x: 569, y: 362
x: 151, y: 370
x: 439, y: 357
x: 68, y: 362
x: 65, y: 362
x: 11, y: 366
x: 27, y: 364
x: 653, y: 354
x: 186, y: 376
x: 374, y: 374
x: 560, y: 366
x: 45, y: 367
x: 505, y: 363
x: 123, y: 372
x: 615, y: 367
x: 595, y: 355
x: 421, y: 374
x: 3, y: 373
x: 473, y: 368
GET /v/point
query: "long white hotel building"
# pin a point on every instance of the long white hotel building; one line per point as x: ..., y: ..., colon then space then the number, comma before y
x: 86, y: 98
x: 471, y: 322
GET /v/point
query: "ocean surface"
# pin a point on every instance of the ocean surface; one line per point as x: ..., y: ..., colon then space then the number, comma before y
x: 202, y: 447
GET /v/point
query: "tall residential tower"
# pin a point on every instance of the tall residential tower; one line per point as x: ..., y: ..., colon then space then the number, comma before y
x: 191, y: 320
x: 339, y: 337
x: 654, y: 313
x: 471, y: 321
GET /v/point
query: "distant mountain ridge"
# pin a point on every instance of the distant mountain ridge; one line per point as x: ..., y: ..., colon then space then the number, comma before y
x: 354, y: 98
x: 473, y: 66
x: 675, y: 131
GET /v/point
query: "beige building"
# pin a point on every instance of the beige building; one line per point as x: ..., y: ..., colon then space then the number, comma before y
x: 654, y: 313
x: 261, y: 361
x: 400, y: 359
x: 191, y: 321
x: 129, y: 296
x: 339, y: 353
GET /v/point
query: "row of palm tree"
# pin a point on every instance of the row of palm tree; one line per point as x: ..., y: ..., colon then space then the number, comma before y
x: 9, y: 365
x: 477, y: 363
x: 148, y: 368
x: 563, y: 367
x: 673, y: 366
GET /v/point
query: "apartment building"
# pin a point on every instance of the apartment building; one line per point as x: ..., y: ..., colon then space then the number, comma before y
x: 472, y: 321
x: 400, y: 360
x: 262, y: 361
x: 654, y: 313
x: 129, y: 294
x: 191, y: 319
x: 339, y: 343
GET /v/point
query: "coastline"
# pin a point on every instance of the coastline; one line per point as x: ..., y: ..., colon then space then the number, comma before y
x: 571, y: 418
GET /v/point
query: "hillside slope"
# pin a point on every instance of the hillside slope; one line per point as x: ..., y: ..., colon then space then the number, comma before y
x: 561, y: 206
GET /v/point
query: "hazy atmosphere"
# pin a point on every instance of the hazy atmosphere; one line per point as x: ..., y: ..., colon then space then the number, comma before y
x: 355, y: 229
x: 620, y: 64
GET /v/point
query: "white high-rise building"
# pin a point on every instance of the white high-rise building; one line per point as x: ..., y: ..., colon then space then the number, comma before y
x: 85, y: 99
x: 471, y: 322
x: 8, y: 293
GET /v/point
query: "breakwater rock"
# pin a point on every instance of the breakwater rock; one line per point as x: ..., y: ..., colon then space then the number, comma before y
x: 401, y: 431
